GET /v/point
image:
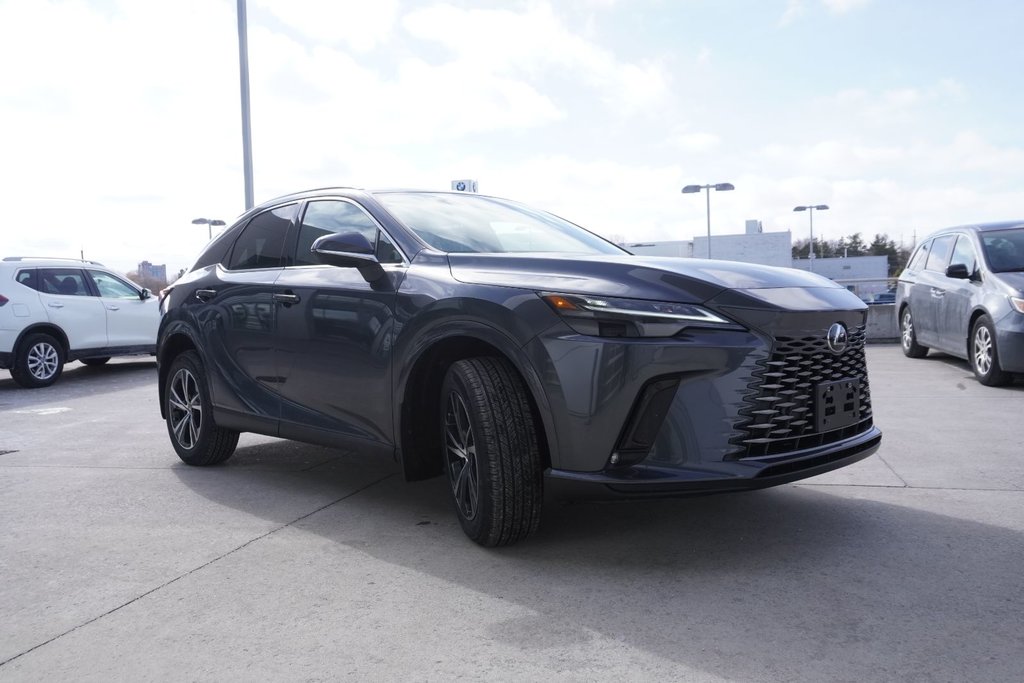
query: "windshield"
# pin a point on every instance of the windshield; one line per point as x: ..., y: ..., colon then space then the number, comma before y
x: 1004, y: 249
x: 468, y: 223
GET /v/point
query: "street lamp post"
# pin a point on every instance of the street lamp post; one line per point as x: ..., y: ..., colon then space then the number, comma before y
x: 719, y: 187
x: 209, y: 223
x: 810, y: 212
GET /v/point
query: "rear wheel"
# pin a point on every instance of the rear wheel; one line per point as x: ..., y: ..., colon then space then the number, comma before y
x: 195, y: 437
x: 985, y: 355
x: 39, y: 362
x: 908, y: 338
x: 96, y: 361
x: 491, y: 452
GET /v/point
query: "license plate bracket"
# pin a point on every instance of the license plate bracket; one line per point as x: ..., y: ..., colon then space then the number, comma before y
x: 837, y: 404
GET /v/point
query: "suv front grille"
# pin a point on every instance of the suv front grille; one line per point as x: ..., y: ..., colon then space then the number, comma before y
x: 778, y: 413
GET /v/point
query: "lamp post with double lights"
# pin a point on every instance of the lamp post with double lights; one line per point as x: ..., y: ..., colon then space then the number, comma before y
x: 210, y: 223
x: 718, y: 187
x: 810, y: 211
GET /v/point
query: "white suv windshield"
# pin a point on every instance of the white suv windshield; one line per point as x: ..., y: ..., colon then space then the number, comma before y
x: 474, y: 224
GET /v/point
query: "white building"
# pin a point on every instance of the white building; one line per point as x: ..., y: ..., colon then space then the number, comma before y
x: 754, y: 246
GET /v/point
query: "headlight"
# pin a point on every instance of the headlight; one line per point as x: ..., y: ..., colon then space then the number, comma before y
x: 608, y: 317
x: 1017, y: 303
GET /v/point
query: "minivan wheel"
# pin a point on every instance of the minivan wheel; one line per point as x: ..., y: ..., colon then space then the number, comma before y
x: 985, y: 356
x: 908, y: 339
x: 195, y: 437
x: 39, y: 363
x: 491, y: 452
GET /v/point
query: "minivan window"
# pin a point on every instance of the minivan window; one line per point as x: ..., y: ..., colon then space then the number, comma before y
x: 917, y: 261
x: 261, y: 244
x: 964, y: 253
x: 941, y: 247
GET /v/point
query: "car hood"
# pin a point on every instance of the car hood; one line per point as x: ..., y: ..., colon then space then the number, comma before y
x: 684, y: 280
x: 1014, y: 281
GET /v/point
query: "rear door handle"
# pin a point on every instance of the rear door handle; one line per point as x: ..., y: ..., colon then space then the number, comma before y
x: 938, y: 293
x: 112, y: 307
x: 205, y: 294
x: 55, y: 304
x: 287, y: 298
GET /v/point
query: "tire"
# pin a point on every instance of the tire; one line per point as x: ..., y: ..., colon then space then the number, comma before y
x: 908, y: 338
x: 984, y: 354
x: 39, y: 361
x: 196, y: 438
x: 95, y: 361
x: 491, y: 453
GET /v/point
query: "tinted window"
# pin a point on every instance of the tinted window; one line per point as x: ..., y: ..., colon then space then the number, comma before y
x: 963, y: 252
x: 261, y: 244
x: 917, y: 261
x: 112, y: 287
x: 27, y: 278
x: 1004, y: 249
x: 476, y: 224
x: 941, y: 247
x: 63, y: 281
x: 332, y: 216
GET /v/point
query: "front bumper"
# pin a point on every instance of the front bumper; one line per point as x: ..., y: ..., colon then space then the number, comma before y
x: 1010, y: 342
x: 646, y: 481
x: 744, y: 409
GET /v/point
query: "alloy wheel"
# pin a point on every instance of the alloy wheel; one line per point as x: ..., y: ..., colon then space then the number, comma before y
x: 185, y: 409
x: 43, y: 361
x: 460, y: 447
x: 908, y: 330
x: 982, y: 349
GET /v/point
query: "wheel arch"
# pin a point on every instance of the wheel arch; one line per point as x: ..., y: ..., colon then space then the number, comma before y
x: 417, y: 411
x: 46, y: 328
x: 171, y: 347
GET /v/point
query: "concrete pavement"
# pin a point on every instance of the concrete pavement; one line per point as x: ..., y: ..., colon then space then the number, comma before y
x: 295, y: 562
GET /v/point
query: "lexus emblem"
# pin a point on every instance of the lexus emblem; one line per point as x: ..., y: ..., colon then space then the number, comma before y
x: 837, y: 338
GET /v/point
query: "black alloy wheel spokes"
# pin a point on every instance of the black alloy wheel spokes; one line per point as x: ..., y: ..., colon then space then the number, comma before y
x: 460, y: 448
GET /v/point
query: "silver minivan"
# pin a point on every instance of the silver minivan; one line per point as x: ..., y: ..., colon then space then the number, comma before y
x: 962, y: 293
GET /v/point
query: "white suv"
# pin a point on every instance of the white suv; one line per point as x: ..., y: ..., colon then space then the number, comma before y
x: 54, y: 311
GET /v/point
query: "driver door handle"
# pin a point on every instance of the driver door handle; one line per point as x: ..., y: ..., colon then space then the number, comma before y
x: 112, y: 307
x: 55, y: 304
x: 205, y: 294
x: 287, y: 298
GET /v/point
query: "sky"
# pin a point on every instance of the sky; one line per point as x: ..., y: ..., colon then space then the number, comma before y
x: 120, y: 120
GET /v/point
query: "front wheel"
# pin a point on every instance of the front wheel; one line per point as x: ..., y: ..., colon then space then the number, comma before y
x: 39, y: 362
x: 985, y: 355
x: 195, y: 437
x: 908, y: 338
x: 491, y: 451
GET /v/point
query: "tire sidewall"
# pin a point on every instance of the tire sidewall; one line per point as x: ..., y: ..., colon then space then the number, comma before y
x: 455, y: 381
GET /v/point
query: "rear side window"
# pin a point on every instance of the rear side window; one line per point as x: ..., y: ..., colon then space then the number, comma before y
x: 27, y: 278
x: 62, y: 282
x: 261, y: 244
x: 920, y: 256
x: 941, y: 247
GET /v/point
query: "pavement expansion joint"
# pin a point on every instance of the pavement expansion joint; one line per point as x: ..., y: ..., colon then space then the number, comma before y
x: 195, y: 569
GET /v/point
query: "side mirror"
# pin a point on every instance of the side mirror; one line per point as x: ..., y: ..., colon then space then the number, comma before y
x: 349, y: 250
x: 145, y: 294
x: 958, y: 271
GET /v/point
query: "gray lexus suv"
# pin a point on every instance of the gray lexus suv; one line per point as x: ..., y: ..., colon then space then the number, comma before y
x: 510, y: 351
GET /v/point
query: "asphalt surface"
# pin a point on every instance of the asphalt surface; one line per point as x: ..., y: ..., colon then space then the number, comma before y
x: 294, y: 562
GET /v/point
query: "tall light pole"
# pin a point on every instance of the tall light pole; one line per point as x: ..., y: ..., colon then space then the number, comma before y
x: 209, y: 223
x: 243, y: 75
x: 719, y: 187
x: 810, y: 211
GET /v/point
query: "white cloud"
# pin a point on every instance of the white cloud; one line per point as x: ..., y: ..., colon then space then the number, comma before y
x: 844, y: 6
x: 695, y: 142
x: 357, y: 24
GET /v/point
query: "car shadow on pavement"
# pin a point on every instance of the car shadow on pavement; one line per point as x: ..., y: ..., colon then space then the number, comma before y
x: 78, y: 379
x: 793, y: 582
x: 1017, y: 384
